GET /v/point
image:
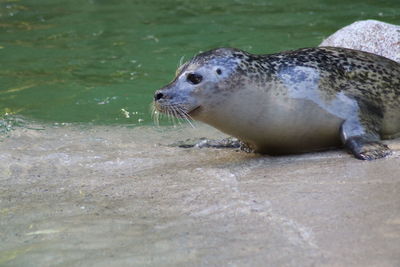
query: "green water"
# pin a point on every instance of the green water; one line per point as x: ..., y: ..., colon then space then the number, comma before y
x: 85, y: 60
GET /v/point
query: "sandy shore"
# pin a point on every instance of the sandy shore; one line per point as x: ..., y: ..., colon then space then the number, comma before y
x: 114, y: 196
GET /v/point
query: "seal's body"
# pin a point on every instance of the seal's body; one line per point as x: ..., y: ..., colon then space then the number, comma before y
x: 291, y: 102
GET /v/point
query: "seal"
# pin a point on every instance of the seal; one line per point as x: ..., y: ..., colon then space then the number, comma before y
x: 291, y: 102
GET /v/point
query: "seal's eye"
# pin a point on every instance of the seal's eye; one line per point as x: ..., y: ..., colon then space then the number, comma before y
x: 219, y: 71
x: 194, y: 78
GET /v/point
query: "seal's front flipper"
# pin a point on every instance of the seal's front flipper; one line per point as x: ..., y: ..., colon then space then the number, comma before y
x: 229, y: 142
x: 360, y: 135
x: 365, y: 149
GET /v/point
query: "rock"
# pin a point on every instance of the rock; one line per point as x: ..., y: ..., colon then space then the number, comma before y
x: 368, y: 35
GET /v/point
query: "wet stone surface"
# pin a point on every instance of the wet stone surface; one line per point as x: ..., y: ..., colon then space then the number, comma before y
x: 101, y: 196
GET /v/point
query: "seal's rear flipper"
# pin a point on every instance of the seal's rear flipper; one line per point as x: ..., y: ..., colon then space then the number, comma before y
x: 365, y: 149
x: 360, y: 134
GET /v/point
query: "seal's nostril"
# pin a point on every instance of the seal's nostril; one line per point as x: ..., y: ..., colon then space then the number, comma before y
x: 158, y: 96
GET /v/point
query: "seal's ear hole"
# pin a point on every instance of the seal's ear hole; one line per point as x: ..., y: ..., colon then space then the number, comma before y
x: 219, y: 71
x: 194, y: 78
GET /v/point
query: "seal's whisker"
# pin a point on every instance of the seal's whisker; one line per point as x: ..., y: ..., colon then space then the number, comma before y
x: 181, y: 61
x: 186, y: 117
x: 182, y: 114
x: 169, y: 116
x: 155, y: 115
x: 172, y: 115
x: 152, y: 109
x: 156, y: 118
x: 176, y: 114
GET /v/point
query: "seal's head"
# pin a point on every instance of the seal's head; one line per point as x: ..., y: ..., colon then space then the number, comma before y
x: 193, y: 91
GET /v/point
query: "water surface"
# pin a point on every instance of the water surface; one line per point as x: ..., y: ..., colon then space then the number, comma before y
x: 86, y: 60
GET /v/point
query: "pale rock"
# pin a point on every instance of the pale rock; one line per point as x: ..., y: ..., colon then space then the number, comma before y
x: 368, y: 35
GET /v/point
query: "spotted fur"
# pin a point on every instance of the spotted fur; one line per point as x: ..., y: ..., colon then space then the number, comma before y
x: 359, y: 90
